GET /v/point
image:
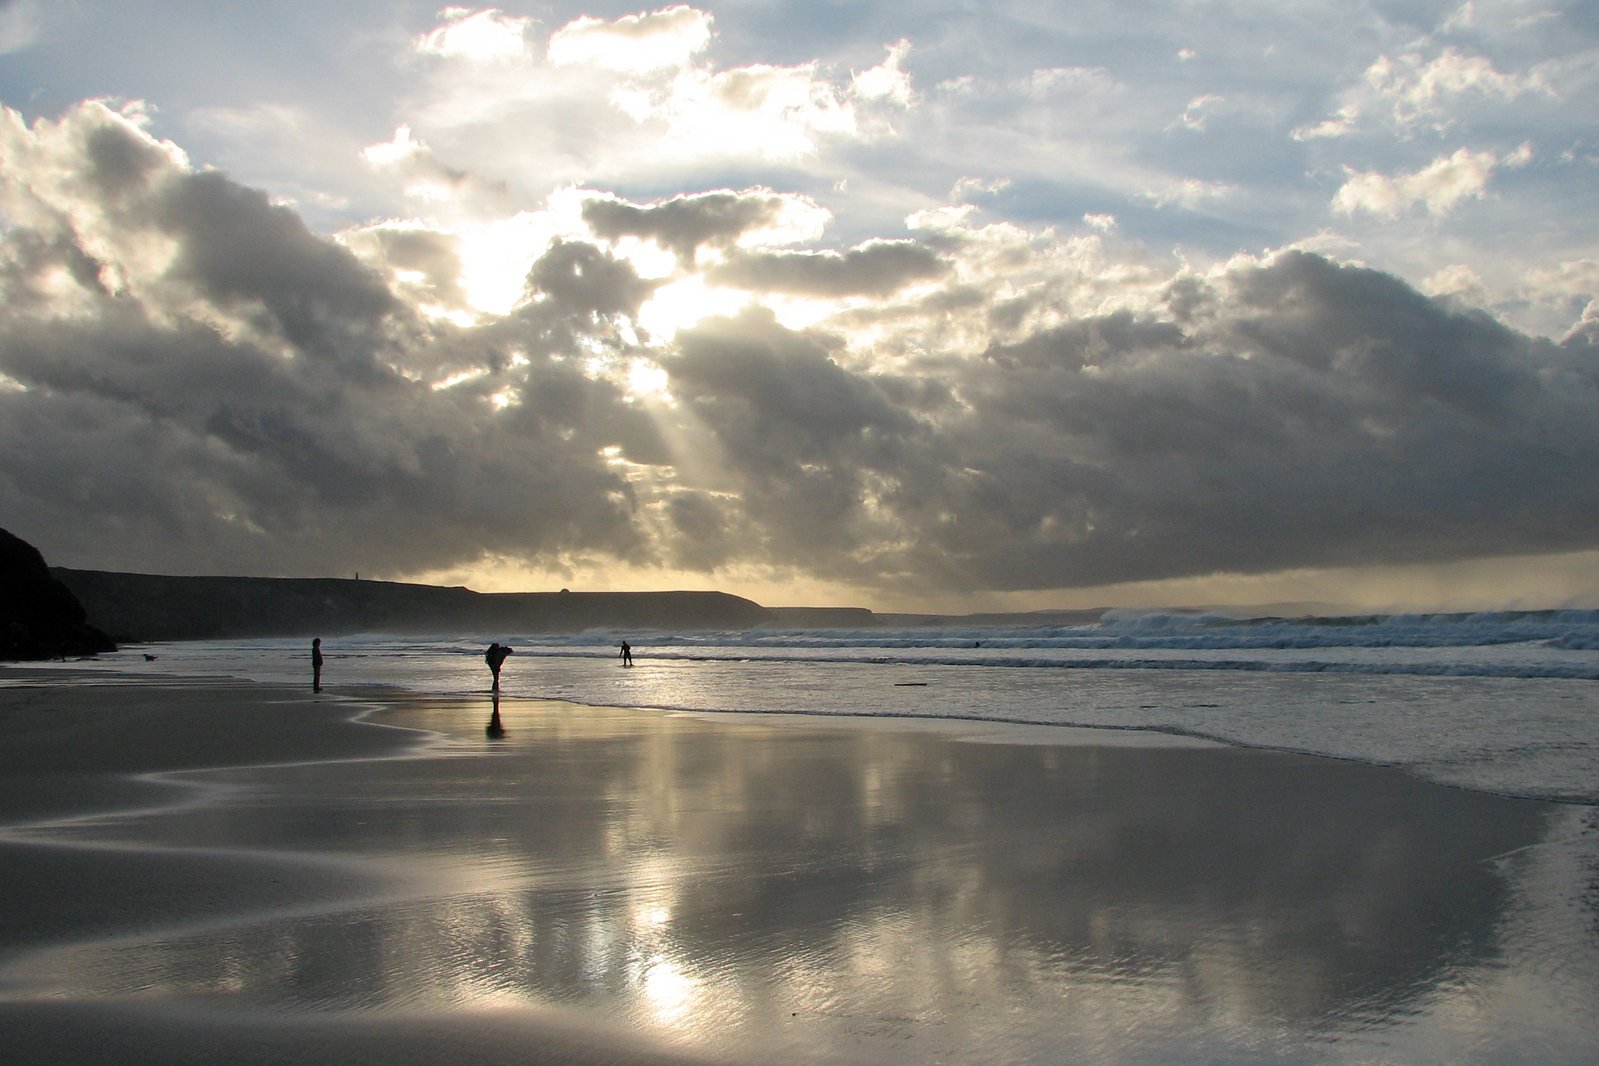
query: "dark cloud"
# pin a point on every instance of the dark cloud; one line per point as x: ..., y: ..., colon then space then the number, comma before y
x: 877, y: 268
x: 31, y: 257
x: 1313, y: 415
x: 224, y: 243
x: 245, y: 408
x: 119, y: 163
x: 184, y: 451
x: 1302, y: 414
x: 1089, y: 342
x: 579, y: 279
x: 683, y: 224
x: 702, y: 531
x: 233, y: 246
x: 420, y: 253
x: 191, y: 381
x: 802, y: 435
x: 775, y: 397
x: 1364, y: 327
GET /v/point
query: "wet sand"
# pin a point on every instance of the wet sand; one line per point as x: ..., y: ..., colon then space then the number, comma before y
x: 602, y: 885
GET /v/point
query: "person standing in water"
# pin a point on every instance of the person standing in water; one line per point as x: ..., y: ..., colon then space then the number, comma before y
x: 316, y: 665
x: 495, y: 657
x: 627, y: 654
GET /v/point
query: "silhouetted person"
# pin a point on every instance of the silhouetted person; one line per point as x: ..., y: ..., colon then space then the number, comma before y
x: 495, y: 657
x: 495, y: 729
x: 627, y: 654
x: 316, y: 665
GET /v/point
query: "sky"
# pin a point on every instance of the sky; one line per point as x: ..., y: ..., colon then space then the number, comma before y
x: 929, y: 306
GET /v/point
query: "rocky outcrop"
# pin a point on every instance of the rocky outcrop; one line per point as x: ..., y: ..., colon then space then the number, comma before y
x: 40, y: 618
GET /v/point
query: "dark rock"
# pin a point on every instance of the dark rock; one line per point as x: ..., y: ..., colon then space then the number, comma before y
x: 40, y: 618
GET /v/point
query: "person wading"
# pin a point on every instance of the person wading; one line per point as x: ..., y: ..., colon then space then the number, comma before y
x: 495, y: 657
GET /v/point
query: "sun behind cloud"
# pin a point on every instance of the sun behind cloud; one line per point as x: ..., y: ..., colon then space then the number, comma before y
x: 947, y: 310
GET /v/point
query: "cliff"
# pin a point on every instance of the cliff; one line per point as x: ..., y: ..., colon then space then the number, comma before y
x: 39, y: 617
x: 149, y: 607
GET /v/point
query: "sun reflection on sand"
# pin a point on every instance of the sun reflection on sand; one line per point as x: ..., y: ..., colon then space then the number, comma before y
x: 670, y: 993
x: 777, y: 891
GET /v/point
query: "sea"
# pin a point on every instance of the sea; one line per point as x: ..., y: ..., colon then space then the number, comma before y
x: 1504, y: 702
x: 863, y: 896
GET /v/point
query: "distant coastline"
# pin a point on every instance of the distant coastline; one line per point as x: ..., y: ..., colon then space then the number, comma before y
x: 138, y: 608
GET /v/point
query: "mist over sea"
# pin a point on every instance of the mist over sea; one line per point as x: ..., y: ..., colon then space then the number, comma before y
x: 1506, y: 702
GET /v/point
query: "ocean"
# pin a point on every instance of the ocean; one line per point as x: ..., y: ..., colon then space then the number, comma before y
x: 900, y: 895
x: 1501, y: 702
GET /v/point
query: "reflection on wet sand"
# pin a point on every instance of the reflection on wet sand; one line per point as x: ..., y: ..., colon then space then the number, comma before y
x: 860, y: 892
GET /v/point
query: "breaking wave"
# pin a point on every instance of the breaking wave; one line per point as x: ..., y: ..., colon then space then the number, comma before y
x: 1533, y: 644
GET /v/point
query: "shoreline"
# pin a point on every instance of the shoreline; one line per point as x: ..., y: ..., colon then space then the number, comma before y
x: 129, y: 892
x: 103, y: 773
x: 87, y: 749
x: 619, y: 884
x: 68, y: 723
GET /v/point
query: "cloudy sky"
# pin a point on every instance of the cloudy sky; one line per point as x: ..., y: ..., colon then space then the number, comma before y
x: 923, y: 304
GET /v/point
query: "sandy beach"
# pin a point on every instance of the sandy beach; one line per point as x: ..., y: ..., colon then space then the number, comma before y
x: 200, y: 870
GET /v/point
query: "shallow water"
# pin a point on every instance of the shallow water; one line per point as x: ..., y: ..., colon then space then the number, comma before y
x: 1503, y: 704
x: 860, y: 892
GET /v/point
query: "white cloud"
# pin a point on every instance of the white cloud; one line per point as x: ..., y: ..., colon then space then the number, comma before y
x: 762, y: 111
x: 1054, y: 81
x: 887, y: 81
x: 946, y: 219
x: 1416, y: 88
x: 45, y: 187
x: 1424, y: 88
x: 401, y: 148
x: 1441, y: 186
x: 1196, y: 114
x: 424, y: 178
x: 967, y: 188
x: 670, y: 37
x: 635, y: 99
x: 1189, y: 193
x: 1566, y: 294
x: 965, y: 85
x: 479, y: 36
x: 1458, y: 281
x: 1339, y: 125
